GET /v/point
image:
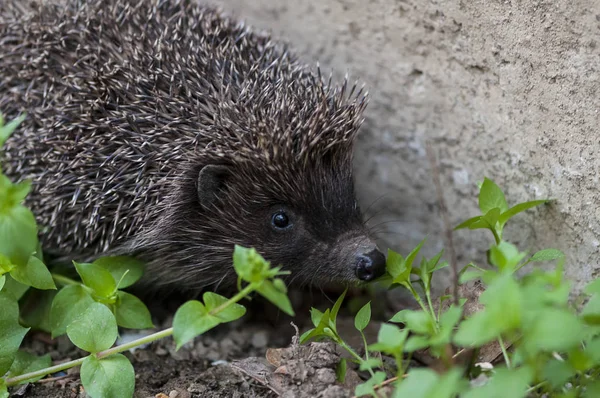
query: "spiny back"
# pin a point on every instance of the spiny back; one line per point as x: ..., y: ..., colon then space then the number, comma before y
x: 122, y: 95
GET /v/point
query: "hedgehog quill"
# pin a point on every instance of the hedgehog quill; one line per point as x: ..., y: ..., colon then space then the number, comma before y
x: 169, y: 131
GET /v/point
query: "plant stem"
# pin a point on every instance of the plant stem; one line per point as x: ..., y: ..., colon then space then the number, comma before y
x: 127, y: 346
x: 472, y: 265
x: 416, y: 296
x: 522, y: 265
x: 240, y: 295
x: 430, y: 304
x: 496, y: 236
x: 532, y: 389
x: 12, y: 381
x: 57, y: 368
x: 422, y: 305
x: 504, y: 353
x: 365, y: 343
x: 346, y: 347
x: 63, y: 280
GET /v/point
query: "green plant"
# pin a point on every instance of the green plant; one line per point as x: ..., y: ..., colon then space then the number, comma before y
x: 555, y: 348
x: 90, y: 310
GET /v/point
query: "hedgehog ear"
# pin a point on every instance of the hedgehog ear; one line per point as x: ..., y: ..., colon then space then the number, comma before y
x: 211, y: 181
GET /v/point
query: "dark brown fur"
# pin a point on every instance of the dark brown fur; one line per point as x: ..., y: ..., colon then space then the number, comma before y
x: 127, y: 101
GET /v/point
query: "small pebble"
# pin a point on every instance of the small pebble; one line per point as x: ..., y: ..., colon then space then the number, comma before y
x: 260, y: 339
x: 160, y: 351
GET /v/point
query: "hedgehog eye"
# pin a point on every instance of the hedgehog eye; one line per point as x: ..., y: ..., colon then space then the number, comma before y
x: 280, y: 220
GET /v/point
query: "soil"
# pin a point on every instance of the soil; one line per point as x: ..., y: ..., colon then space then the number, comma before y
x: 256, y: 356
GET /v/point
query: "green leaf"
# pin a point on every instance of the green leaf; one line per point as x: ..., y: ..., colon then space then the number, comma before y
x: 16, y: 193
x: 336, y: 308
x: 95, y: 330
x: 340, y: 371
x: 448, y: 320
x: 450, y: 317
x: 194, y: 318
x: 315, y: 316
x: 592, y: 350
x: 124, y: 270
x: 416, y: 342
x: 503, y: 312
x: 37, y: 310
x: 505, y: 256
x: 413, y: 254
x: 7, y: 130
x: 580, y: 359
x: 2, y: 281
x: 191, y: 320
x: 396, y: 267
x: 234, y: 311
x: 508, y: 214
x: 363, y: 317
x: 593, y: 287
x: 547, y: 255
x: 319, y: 330
x: 242, y: 263
x: 27, y: 363
x: 419, y: 322
x: 69, y: 303
x: 3, y: 389
x: 434, y: 264
x: 366, y: 388
x: 18, y: 232
x: 511, y: 383
x: 131, y: 312
x: 553, y: 329
x: 110, y: 377
x: 15, y: 288
x: 557, y: 373
x: 491, y: 217
x: 426, y: 383
x: 469, y: 276
x: 399, y: 317
x: 418, y: 384
x: 34, y: 273
x: 97, y: 278
x: 592, y: 390
x: 11, y: 331
x: 251, y: 266
x: 488, y: 221
x: 390, y: 339
x: 591, y: 311
x: 468, y: 223
x: 371, y: 363
x: 491, y: 196
x: 5, y: 265
x: 277, y: 295
x: 399, y: 268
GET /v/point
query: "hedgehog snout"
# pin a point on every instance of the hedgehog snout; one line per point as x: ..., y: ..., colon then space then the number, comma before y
x: 370, y: 265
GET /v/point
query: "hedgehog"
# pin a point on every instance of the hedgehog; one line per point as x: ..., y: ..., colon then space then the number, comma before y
x: 170, y: 131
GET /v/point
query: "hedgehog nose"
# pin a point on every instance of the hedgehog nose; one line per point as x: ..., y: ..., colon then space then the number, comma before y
x: 370, y: 265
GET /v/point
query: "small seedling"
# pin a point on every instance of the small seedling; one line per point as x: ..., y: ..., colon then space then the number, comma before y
x: 555, y: 348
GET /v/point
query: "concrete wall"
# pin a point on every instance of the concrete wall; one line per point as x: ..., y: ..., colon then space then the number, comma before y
x: 503, y: 89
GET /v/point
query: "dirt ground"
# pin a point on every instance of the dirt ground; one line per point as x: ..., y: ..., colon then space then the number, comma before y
x: 255, y: 356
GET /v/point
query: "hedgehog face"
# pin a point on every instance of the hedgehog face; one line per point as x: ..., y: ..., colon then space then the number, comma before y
x: 311, y: 225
